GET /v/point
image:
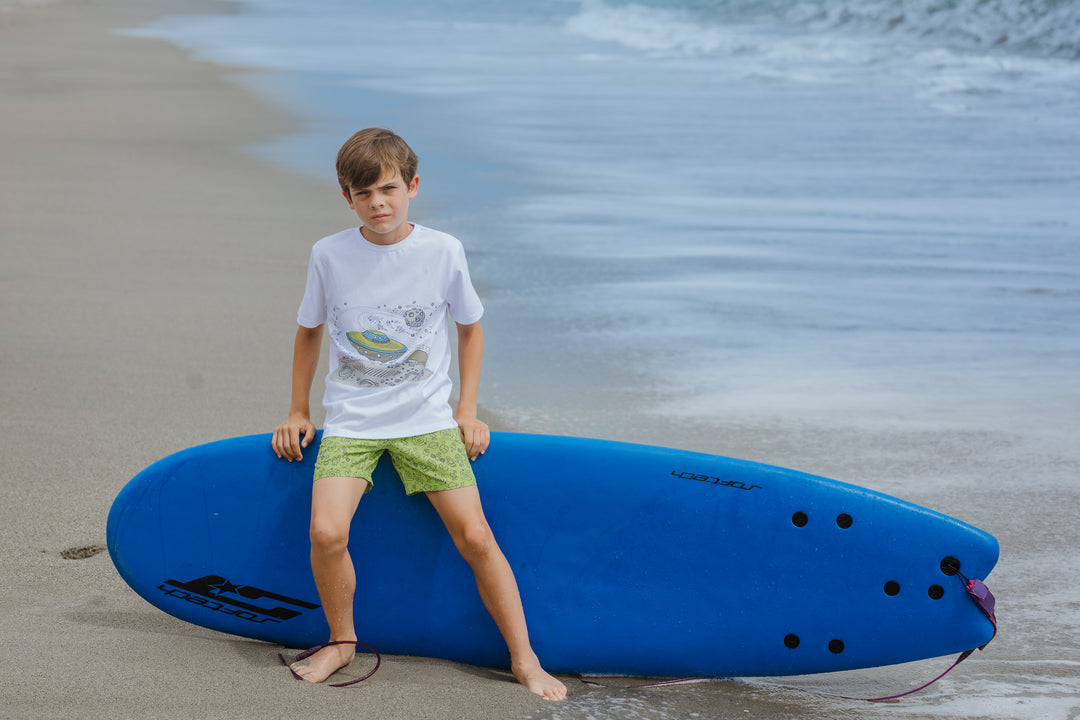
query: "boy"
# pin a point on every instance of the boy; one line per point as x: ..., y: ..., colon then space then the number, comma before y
x: 385, y: 289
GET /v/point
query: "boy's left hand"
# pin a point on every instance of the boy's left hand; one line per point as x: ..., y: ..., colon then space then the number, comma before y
x: 475, y: 434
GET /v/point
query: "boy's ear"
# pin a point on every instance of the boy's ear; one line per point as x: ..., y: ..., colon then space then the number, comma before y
x: 414, y: 185
x: 348, y: 198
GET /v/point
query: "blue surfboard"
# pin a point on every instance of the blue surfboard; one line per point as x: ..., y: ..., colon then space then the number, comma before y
x: 630, y: 559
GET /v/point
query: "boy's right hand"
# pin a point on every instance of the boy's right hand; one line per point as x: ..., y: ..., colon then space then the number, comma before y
x: 287, y: 441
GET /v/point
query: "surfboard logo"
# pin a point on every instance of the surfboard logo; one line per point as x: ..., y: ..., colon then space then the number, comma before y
x: 217, y: 594
x: 714, y: 480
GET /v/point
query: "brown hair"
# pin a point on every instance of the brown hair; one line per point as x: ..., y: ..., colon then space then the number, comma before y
x: 364, y: 157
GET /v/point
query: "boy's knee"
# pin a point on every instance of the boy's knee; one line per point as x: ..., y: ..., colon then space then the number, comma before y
x: 475, y: 541
x: 329, y: 537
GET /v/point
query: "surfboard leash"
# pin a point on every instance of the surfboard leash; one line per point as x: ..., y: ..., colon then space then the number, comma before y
x: 311, y: 651
x: 984, y: 600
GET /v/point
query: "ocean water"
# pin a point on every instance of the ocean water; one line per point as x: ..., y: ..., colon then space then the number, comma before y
x: 837, y: 235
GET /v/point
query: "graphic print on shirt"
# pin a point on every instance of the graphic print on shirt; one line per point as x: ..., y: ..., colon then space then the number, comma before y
x: 380, y: 347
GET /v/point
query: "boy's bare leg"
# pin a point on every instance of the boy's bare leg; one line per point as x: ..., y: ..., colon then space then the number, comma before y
x: 333, y: 502
x: 463, y: 516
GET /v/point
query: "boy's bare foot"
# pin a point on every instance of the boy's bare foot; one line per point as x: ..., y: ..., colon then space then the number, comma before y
x: 324, y: 663
x: 537, y: 680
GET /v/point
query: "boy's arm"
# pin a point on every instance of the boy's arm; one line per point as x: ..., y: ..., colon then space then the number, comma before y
x: 286, y: 441
x: 474, y: 433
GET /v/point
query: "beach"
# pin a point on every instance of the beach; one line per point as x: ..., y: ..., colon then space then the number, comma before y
x: 152, y: 267
x: 148, y: 265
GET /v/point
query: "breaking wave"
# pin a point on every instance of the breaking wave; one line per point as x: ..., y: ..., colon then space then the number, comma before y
x: 1041, y: 28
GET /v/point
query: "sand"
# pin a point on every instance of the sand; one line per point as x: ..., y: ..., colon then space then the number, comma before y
x: 151, y: 270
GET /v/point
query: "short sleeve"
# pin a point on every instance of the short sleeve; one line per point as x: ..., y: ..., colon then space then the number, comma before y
x: 461, y: 298
x: 312, y: 312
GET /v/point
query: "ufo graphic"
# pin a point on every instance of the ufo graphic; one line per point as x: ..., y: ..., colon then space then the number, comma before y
x: 376, y: 345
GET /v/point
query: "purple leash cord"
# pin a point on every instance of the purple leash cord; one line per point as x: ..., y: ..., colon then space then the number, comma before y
x: 311, y: 651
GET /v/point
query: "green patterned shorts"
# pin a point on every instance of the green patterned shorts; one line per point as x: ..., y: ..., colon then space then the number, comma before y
x: 426, y: 463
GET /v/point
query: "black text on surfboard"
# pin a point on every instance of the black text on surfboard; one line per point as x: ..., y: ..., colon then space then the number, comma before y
x: 217, y: 594
x: 714, y: 480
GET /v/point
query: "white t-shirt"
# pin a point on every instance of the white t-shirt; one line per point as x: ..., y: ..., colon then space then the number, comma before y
x: 386, y: 309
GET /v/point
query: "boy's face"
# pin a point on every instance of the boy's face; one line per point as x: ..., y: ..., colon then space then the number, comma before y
x: 383, y: 208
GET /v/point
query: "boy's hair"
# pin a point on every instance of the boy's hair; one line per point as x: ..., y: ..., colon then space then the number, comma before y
x: 364, y: 157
